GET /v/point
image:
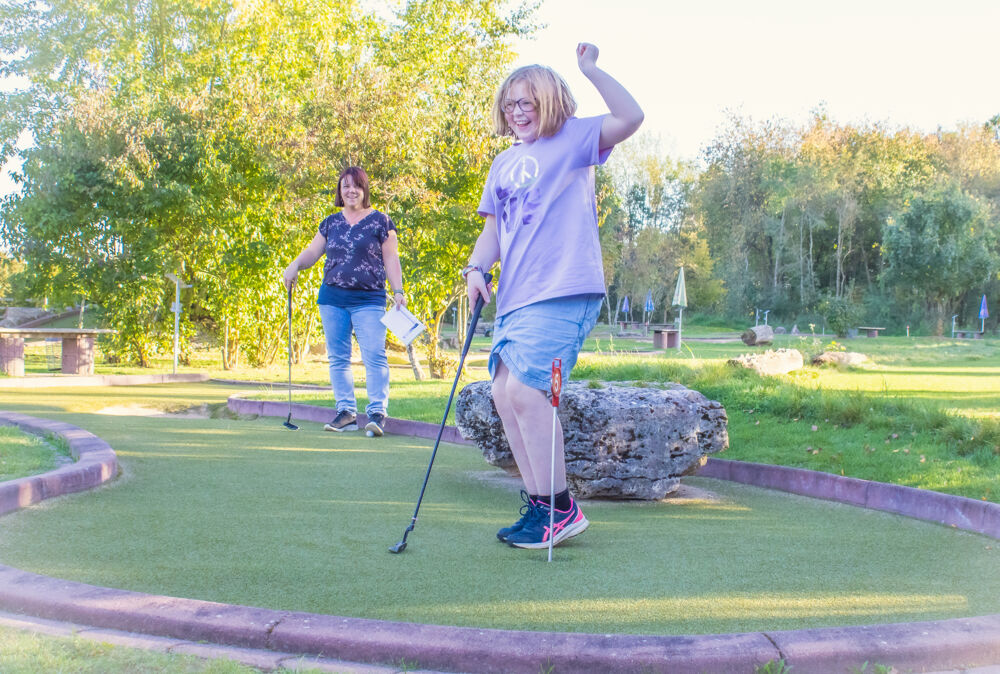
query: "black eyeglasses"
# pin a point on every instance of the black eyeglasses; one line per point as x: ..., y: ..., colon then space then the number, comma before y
x: 526, y: 105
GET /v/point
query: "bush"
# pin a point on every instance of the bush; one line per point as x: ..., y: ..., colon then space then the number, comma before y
x: 841, y: 313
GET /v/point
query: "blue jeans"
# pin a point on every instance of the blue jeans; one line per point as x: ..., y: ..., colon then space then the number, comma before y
x: 365, y: 322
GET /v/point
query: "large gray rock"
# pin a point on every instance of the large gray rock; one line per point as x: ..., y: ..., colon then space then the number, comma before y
x: 758, y: 334
x: 621, y: 442
x: 850, y: 358
x: 15, y: 316
x: 771, y: 362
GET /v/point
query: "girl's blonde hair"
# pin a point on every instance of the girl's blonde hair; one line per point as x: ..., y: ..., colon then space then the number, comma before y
x: 553, y: 100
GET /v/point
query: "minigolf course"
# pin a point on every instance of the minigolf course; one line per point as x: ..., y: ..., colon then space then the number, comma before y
x: 923, y: 645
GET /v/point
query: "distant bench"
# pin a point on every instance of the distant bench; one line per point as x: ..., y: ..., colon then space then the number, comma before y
x: 968, y: 334
x: 666, y: 338
x: 77, y: 348
x: 646, y: 327
x: 870, y: 332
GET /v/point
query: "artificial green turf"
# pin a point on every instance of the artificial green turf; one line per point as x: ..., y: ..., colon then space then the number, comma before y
x: 245, y: 511
x: 922, y: 413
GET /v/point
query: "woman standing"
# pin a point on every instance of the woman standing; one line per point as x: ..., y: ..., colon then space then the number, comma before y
x: 361, y: 253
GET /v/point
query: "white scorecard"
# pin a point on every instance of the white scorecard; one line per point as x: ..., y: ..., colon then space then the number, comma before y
x: 403, y: 324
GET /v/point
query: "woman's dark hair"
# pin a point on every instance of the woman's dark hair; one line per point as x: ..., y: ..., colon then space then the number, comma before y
x: 360, y: 179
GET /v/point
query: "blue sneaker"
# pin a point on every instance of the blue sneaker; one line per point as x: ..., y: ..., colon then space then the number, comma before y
x: 375, y: 425
x: 535, y: 534
x: 527, y: 512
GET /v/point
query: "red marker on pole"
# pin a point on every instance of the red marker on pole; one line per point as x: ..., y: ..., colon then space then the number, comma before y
x: 556, y: 390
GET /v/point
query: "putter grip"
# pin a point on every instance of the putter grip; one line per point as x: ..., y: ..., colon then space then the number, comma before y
x: 475, y: 318
x: 479, y: 300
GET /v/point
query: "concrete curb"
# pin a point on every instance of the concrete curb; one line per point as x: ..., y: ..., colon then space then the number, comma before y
x: 239, y: 404
x: 261, y: 659
x: 981, y: 517
x: 956, y: 643
x: 96, y: 463
x: 102, y: 380
x: 42, y: 320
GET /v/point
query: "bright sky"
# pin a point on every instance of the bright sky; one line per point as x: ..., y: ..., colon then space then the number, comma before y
x: 915, y: 63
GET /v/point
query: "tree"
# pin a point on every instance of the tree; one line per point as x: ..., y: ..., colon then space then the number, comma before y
x: 939, y: 246
x: 203, y: 135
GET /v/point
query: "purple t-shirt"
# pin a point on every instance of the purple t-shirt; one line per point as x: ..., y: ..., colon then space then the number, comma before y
x: 542, y: 195
x: 354, y: 252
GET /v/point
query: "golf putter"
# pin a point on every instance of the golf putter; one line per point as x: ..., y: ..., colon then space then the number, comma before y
x: 401, y: 545
x: 556, y: 388
x: 288, y: 422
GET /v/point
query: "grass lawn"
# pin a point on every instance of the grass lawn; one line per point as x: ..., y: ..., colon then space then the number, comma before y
x: 22, y: 454
x: 244, y: 511
x: 24, y: 653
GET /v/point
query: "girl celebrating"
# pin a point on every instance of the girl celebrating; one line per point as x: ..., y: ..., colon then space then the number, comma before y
x: 541, y: 223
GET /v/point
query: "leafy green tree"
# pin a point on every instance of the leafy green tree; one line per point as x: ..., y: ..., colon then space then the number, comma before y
x: 938, y: 246
x: 203, y: 135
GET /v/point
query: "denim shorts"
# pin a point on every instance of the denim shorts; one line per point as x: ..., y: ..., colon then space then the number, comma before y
x: 529, y: 338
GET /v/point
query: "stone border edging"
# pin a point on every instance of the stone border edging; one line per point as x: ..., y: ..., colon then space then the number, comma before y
x: 96, y: 464
x: 239, y: 404
x: 959, y: 642
x: 48, y: 318
x: 981, y: 517
x: 102, y: 380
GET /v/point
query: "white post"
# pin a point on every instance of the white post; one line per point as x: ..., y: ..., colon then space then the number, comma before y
x: 680, y: 322
x: 176, y: 308
x: 177, y: 319
x: 953, y: 325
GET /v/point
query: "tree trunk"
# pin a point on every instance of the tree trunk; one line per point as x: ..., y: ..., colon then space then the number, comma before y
x: 418, y: 371
x: 809, y: 266
x: 461, y: 318
x: 607, y: 303
x: 780, y: 244
x: 839, y: 257
x: 846, y: 213
x: 802, y: 266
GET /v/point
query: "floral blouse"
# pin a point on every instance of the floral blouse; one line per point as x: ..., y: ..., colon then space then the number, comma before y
x: 354, y: 252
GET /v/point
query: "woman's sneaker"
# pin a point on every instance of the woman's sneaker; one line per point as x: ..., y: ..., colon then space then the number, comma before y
x: 535, y: 534
x: 344, y: 421
x: 527, y: 512
x: 376, y: 424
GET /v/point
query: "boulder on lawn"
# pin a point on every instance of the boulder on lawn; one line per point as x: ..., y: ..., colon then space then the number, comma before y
x: 840, y: 358
x: 770, y: 362
x: 16, y: 316
x: 621, y: 442
x: 758, y: 334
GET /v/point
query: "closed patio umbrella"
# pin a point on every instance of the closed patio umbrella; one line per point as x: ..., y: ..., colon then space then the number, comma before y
x: 680, y: 301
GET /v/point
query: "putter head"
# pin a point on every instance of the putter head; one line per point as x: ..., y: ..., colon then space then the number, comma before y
x: 398, y: 547
x: 289, y: 425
